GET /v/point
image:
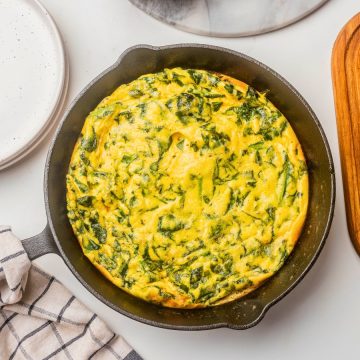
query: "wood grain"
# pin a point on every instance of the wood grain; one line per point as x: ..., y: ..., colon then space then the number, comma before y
x: 346, y: 85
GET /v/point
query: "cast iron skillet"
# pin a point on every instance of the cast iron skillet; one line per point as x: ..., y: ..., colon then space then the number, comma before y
x: 58, y: 236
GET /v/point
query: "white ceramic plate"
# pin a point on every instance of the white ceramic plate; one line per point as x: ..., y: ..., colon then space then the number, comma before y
x: 33, y: 77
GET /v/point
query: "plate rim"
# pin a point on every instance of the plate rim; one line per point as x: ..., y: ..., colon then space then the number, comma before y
x: 59, y: 99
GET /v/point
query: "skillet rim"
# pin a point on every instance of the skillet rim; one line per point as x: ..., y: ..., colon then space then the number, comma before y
x: 223, y: 324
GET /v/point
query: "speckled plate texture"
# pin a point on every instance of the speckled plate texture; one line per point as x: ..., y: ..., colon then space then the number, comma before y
x: 34, y: 77
x: 142, y: 59
x: 228, y: 18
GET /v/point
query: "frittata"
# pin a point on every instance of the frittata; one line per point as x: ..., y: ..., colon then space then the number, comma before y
x: 187, y: 188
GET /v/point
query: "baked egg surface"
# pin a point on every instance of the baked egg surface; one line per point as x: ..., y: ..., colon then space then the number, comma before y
x: 187, y: 188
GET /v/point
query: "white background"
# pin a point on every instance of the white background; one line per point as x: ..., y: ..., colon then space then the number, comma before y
x: 320, y: 319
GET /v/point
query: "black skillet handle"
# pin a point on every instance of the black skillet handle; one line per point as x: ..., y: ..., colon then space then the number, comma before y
x: 40, y: 244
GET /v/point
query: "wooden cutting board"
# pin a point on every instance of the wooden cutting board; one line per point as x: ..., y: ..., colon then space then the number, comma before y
x: 346, y: 85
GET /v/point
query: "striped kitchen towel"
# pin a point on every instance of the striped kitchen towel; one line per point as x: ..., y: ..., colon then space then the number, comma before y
x: 41, y: 319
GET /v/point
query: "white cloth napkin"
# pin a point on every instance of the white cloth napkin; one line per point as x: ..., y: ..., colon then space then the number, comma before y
x: 41, y: 319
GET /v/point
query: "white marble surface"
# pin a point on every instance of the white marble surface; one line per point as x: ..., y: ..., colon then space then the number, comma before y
x: 228, y: 17
x: 320, y: 318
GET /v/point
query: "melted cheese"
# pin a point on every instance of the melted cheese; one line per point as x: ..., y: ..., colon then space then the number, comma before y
x: 187, y: 188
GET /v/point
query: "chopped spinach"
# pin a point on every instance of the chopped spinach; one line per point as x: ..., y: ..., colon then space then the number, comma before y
x: 91, y: 245
x: 229, y: 88
x: 89, y: 143
x: 180, y: 144
x: 195, y: 75
x: 86, y: 201
x: 81, y: 186
x: 168, y: 224
x: 135, y: 93
x: 216, y: 106
x: 99, y: 232
x: 128, y: 159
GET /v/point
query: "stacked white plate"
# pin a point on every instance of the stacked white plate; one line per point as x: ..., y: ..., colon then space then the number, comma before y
x: 33, y: 77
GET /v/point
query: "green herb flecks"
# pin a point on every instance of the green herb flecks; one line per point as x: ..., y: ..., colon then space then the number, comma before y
x: 217, y: 230
x: 124, y: 115
x: 196, y: 276
x: 251, y: 93
x: 206, y: 294
x: 198, y: 246
x: 224, y: 171
x: 142, y: 108
x: 216, y: 106
x: 254, y: 217
x: 128, y: 159
x: 195, y: 75
x: 132, y: 201
x: 257, y: 269
x: 99, y: 232
x: 282, y: 127
x: 284, y: 177
x: 240, y: 199
x: 229, y: 88
x: 271, y: 213
x: 91, y: 245
x: 258, y: 158
x: 89, y: 143
x: 123, y: 269
x: 135, y: 93
x: 163, y: 147
x: 85, y: 201
x: 148, y: 263
x: 213, y: 95
x: 212, y: 138
x: 232, y: 201
x: 302, y: 168
x: 223, y: 265
x: 180, y: 144
x: 176, y: 77
x: 82, y: 187
x: 104, y: 112
x: 108, y: 263
x: 84, y: 159
x: 213, y: 79
x: 284, y: 254
x: 154, y: 166
x: 169, y: 224
x: 244, y: 112
x: 257, y: 146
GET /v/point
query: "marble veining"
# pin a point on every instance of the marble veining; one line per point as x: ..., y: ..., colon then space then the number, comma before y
x: 228, y: 18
